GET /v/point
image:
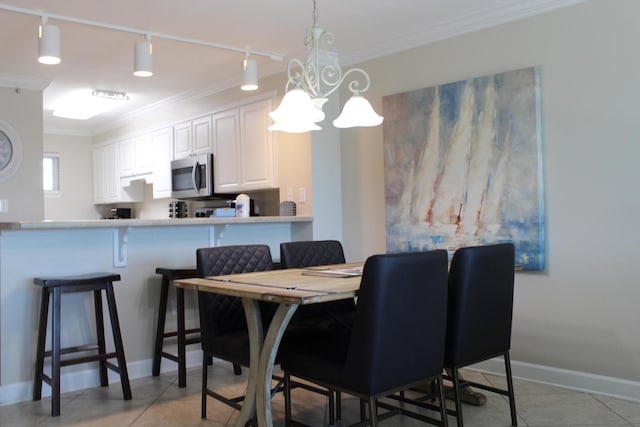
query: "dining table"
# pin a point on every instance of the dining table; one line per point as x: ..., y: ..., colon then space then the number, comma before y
x: 289, y: 289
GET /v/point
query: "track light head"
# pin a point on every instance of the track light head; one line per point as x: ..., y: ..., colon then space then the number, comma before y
x: 48, y: 43
x: 250, y: 73
x: 143, y: 59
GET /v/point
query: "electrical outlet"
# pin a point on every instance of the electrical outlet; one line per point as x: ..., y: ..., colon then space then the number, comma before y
x: 4, y: 205
x: 302, y: 195
x: 290, y: 194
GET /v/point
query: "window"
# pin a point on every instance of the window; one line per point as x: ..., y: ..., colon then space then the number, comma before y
x: 51, y: 173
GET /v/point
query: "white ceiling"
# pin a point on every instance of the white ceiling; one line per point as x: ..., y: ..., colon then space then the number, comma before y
x: 103, y: 59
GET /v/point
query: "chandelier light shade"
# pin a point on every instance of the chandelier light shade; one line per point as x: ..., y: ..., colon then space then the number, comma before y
x: 317, y: 78
x: 357, y: 112
x: 143, y: 59
x: 297, y: 113
x: 48, y: 43
x: 250, y: 74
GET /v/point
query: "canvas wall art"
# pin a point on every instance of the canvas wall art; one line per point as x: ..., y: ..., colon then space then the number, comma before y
x: 463, y: 166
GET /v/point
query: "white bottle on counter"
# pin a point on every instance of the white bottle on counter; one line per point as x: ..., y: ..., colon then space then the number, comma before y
x: 243, y: 204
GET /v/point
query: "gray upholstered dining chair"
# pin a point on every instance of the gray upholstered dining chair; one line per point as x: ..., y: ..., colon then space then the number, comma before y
x: 223, y: 325
x: 312, y: 253
x: 309, y: 253
x: 480, y: 310
x: 397, y: 340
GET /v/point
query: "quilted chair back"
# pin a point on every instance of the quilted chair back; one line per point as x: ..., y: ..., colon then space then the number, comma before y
x: 221, y: 314
x: 313, y: 253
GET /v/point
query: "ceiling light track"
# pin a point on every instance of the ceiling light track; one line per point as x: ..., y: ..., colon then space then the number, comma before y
x: 145, y: 33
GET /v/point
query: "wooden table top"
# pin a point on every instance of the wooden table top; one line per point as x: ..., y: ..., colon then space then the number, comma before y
x: 295, y: 285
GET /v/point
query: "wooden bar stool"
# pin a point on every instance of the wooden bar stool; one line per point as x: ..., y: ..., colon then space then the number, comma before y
x: 185, y: 336
x: 57, y: 286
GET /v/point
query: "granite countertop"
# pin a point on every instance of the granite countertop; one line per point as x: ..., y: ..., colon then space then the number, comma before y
x: 119, y: 223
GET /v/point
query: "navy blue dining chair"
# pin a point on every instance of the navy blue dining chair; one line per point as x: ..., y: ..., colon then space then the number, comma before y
x: 480, y: 311
x: 397, y: 340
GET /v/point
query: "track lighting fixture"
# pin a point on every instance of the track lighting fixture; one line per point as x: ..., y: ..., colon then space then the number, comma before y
x: 250, y: 74
x: 48, y: 43
x: 143, y: 59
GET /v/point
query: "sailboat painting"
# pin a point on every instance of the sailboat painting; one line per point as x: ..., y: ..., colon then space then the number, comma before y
x: 463, y: 166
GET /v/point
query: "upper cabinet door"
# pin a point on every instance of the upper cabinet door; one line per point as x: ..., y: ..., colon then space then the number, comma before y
x: 226, y: 152
x: 144, y: 155
x: 201, y: 131
x: 112, y: 173
x: 192, y: 137
x: 243, y: 149
x: 99, y: 175
x: 257, y: 146
x: 109, y: 186
x: 182, y: 140
x: 128, y: 157
x: 162, y: 145
x: 135, y: 157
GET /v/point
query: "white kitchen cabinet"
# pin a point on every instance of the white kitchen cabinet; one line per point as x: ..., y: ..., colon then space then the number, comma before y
x: 182, y: 140
x: 99, y: 175
x: 226, y: 152
x: 107, y: 184
x: 192, y: 137
x: 257, y: 146
x: 162, y: 145
x: 136, y: 158
x: 243, y: 149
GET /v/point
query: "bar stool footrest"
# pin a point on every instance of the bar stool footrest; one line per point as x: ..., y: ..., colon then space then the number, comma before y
x: 170, y: 356
x: 87, y: 359
x: 75, y: 349
x: 186, y: 332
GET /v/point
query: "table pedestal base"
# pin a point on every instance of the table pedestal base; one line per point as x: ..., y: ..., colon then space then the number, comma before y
x: 262, y: 350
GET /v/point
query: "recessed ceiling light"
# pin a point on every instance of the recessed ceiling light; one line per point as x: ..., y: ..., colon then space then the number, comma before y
x: 87, y: 103
x: 109, y: 94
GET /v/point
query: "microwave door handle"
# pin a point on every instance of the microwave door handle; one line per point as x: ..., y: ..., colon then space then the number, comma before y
x: 195, y: 175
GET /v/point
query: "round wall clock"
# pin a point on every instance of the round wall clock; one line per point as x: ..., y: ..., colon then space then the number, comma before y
x: 10, y: 150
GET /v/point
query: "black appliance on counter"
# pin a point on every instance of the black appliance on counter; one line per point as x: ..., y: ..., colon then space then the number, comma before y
x: 178, y: 210
x: 120, y: 213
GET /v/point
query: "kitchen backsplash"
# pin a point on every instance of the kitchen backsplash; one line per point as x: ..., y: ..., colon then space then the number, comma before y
x: 265, y: 203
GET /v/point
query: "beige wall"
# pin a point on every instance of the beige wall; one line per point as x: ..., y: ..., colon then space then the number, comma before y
x: 581, y: 313
x: 75, y: 199
x: 22, y: 110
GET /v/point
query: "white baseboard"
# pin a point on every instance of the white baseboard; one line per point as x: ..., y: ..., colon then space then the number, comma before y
x: 565, y: 378
x: 574, y: 380
x: 88, y: 378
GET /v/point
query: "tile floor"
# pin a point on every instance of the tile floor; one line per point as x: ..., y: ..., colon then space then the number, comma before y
x: 159, y: 402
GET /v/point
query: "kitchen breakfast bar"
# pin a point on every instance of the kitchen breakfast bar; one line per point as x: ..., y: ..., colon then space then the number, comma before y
x: 131, y: 248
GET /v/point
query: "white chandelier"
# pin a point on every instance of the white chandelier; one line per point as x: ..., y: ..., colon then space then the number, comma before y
x: 312, y: 81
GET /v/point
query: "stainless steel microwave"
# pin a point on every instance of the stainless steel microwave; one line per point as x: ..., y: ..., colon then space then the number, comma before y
x: 192, y: 178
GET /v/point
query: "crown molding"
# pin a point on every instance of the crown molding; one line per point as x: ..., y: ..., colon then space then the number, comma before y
x: 487, y: 18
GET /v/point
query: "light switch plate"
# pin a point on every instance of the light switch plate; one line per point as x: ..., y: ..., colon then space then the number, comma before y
x: 302, y: 195
x: 4, y: 205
